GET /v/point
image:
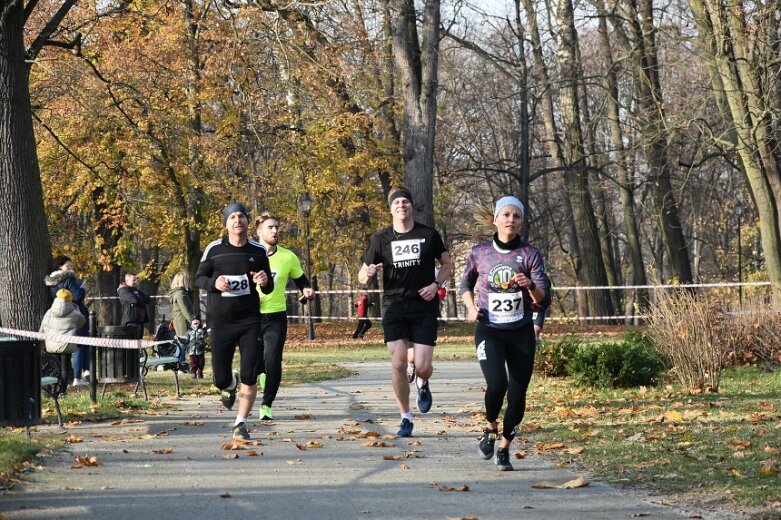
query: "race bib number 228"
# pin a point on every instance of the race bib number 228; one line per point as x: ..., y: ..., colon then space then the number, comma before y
x: 239, y: 285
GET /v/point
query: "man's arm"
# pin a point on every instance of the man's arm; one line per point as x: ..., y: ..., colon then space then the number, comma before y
x: 126, y: 295
x: 203, y: 276
x: 445, y: 268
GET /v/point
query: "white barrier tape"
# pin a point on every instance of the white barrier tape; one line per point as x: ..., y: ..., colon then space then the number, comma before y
x: 135, y: 344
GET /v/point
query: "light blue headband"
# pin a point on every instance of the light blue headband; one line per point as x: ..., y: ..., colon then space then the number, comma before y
x: 504, y: 201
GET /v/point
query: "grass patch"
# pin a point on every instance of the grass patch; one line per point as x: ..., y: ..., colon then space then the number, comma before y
x: 725, y: 445
x: 17, y: 451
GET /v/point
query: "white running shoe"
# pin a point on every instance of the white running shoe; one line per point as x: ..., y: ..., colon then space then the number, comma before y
x: 79, y: 382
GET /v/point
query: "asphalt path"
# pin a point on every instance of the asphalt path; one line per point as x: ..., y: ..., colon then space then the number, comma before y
x: 329, y: 453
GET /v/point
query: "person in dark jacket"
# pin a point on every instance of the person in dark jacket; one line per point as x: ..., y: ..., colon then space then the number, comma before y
x: 134, y: 302
x: 230, y: 269
x: 64, y: 277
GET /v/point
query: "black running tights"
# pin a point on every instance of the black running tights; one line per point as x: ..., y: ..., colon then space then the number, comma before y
x: 506, y: 357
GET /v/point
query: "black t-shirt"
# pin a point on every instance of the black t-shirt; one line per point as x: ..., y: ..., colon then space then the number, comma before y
x: 241, y: 304
x: 407, y: 260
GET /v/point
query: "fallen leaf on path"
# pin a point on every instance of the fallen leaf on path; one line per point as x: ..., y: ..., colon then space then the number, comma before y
x: 295, y: 462
x: 314, y: 444
x: 304, y: 417
x: 230, y: 456
x: 549, y: 446
x: 84, y: 461
x: 235, y: 444
x: 301, y: 447
x: 370, y: 435
x: 73, y: 439
x: 575, y: 451
x: 392, y: 457
x: 463, y: 488
x: 404, y: 467
x: 126, y: 421
x: 253, y: 453
x: 163, y: 451
x: 225, y: 494
x: 194, y: 423
x: 570, y: 484
x: 379, y: 444
x: 347, y: 431
x: 520, y: 454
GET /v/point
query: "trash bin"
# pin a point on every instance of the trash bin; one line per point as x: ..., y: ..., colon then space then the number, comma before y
x: 118, y: 365
x: 20, y: 382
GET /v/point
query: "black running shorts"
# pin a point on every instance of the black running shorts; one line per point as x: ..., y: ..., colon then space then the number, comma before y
x: 414, y: 320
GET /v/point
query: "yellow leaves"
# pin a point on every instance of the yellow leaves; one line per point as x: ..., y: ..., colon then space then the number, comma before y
x: 673, y: 416
x: 570, y: 484
x: 767, y: 468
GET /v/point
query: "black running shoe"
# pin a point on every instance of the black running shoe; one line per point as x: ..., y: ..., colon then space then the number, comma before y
x: 502, y: 459
x: 405, y: 429
x: 240, y: 431
x: 424, y: 398
x: 486, y: 447
x: 228, y: 396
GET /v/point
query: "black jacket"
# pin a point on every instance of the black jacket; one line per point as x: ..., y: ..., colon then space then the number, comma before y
x: 134, y: 304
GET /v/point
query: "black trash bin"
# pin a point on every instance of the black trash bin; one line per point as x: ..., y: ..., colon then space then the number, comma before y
x: 118, y: 365
x: 20, y: 382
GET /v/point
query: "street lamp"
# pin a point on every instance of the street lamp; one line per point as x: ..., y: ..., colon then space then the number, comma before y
x: 739, y: 214
x: 305, y: 207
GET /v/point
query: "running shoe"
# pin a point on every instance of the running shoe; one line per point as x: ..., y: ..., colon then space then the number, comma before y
x: 424, y: 398
x: 80, y: 382
x: 240, y: 431
x: 502, y: 459
x: 262, y: 381
x: 405, y: 429
x: 486, y: 447
x: 265, y: 413
x: 410, y: 371
x: 228, y: 396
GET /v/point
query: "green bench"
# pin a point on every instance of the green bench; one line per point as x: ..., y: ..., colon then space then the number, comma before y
x: 148, y: 363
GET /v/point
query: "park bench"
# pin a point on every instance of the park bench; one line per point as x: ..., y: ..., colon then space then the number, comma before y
x: 50, y: 380
x: 147, y: 363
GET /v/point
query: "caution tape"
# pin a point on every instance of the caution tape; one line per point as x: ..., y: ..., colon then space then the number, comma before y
x: 135, y: 344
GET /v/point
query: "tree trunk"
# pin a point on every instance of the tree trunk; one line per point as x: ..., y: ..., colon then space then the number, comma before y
x: 577, y: 167
x: 25, y: 249
x: 554, y: 147
x: 752, y: 117
x: 416, y: 66
x: 653, y: 129
x: 625, y: 181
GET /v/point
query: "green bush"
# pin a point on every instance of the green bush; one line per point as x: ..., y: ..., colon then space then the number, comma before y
x: 552, y: 357
x: 633, y: 362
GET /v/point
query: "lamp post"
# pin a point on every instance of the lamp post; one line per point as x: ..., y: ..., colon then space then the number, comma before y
x: 305, y: 206
x: 739, y: 214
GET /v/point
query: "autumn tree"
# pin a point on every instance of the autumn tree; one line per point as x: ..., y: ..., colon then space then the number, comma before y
x: 25, y: 251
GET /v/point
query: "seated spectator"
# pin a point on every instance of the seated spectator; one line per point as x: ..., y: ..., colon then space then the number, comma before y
x: 65, y: 318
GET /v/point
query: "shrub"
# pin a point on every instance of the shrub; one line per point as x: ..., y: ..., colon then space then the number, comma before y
x: 693, y: 334
x: 613, y: 365
x: 552, y: 356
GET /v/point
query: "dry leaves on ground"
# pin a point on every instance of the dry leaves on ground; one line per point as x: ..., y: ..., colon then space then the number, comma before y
x: 570, y: 484
x: 85, y: 461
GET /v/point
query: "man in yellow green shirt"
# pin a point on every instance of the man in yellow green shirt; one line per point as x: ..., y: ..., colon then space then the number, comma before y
x: 285, y: 266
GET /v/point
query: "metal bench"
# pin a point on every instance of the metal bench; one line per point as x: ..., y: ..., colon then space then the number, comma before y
x: 147, y: 362
x: 50, y: 380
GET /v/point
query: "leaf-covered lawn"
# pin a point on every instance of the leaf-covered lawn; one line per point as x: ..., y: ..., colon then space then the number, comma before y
x: 722, y: 445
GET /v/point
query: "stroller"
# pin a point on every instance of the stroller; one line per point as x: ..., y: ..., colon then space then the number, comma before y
x: 172, y: 348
